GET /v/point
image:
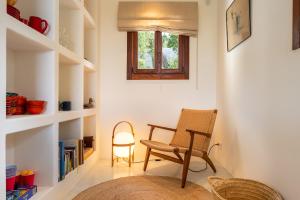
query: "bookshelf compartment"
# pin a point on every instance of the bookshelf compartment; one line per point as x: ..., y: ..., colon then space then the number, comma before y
x: 29, y: 74
x: 90, y: 80
x: 90, y: 47
x: 71, y: 85
x: 91, y: 6
x: 89, y: 126
x: 44, y: 9
x: 71, y: 29
x: 33, y: 150
x: 70, y: 130
x: 70, y: 147
x: 89, y: 130
x: 24, y: 38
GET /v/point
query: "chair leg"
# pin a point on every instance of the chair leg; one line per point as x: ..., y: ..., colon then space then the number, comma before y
x: 147, y: 158
x: 186, y: 164
x: 211, y: 164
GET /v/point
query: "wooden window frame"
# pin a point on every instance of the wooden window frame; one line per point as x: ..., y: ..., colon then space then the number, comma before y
x: 133, y: 73
x: 296, y: 24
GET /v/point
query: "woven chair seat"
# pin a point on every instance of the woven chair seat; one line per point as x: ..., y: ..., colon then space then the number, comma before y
x: 168, y: 148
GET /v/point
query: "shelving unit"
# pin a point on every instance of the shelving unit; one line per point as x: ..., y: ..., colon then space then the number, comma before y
x: 45, y: 67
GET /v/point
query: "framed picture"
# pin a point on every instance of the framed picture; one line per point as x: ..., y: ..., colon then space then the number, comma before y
x: 238, y: 23
x: 296, y: 24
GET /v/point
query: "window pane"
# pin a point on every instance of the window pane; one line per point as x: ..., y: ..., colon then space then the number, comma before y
x: 170, y: 51
x: 146, y: 50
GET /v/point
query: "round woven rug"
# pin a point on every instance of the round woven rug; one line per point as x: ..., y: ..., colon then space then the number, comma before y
x: 145, y: 188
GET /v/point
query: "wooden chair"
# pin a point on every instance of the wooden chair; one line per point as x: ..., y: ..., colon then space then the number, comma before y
x: 191, y: 138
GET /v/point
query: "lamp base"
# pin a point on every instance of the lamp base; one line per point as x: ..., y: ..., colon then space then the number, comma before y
x: 130, y: 159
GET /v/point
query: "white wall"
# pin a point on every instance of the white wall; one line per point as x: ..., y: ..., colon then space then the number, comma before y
x: 142, y: 102
x: 258, y: 98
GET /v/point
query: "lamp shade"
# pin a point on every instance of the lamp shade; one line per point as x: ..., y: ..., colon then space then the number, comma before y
x: 123, y: 138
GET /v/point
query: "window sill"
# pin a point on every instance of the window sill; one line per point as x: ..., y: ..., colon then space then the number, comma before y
x: 157, y: 77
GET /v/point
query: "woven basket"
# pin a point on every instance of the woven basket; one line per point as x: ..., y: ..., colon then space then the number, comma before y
x: 241, y: 189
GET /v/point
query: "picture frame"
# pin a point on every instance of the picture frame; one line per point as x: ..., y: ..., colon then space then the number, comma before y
x: 238, y: 23
x: 296, y: 24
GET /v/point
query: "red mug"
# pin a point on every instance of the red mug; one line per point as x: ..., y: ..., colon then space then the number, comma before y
x: 38, y: 24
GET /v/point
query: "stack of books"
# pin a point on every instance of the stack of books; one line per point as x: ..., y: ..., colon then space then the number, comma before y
x: 70, y: 156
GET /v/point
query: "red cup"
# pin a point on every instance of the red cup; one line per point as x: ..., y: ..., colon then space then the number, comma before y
x: 10, y: 183
x: 28, y: 180
x: 38, y: 24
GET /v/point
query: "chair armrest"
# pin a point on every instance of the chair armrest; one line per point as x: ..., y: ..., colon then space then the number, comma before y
x: 161, y: 127
x: 198, y: 133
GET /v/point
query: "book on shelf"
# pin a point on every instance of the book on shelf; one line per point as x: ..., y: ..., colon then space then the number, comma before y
x: 61, y: 161
x: 70, y: 156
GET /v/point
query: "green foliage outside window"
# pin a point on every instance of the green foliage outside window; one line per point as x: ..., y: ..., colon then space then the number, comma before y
x: 170, y: 51
x: 146, y: 50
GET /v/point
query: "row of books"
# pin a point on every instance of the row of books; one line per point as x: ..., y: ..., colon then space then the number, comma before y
x: 70, y: 156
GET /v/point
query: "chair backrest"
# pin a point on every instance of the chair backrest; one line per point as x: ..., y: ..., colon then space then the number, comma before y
x: 198, y: 120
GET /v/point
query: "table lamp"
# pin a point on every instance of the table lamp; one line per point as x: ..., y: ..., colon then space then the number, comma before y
x: 123, y: 144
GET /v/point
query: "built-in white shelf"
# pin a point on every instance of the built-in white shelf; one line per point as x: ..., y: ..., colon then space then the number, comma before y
x: 88, y: 20
x: 38, y: 67
x: 89, y: 112
x: 22, y: 37
x: 41, y: 193
x: 91, y: 7
x: 67, y: 56
x: 89, y: 66
x: 68, y: 115
x: 19, y: 123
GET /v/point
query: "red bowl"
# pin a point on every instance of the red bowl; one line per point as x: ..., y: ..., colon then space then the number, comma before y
x: 36, y: 103
x: 35, y: 110
x: 36, y: 107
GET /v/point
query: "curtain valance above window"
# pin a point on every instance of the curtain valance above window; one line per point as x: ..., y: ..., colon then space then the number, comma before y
x: 174, y: 17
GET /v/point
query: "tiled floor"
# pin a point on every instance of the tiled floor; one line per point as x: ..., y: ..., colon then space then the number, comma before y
x: 103, y: 171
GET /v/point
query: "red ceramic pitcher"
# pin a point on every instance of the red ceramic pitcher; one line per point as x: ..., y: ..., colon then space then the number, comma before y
x: 38, y: 24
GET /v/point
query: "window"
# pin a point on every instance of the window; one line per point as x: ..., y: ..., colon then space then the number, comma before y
x: 157, y: 55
